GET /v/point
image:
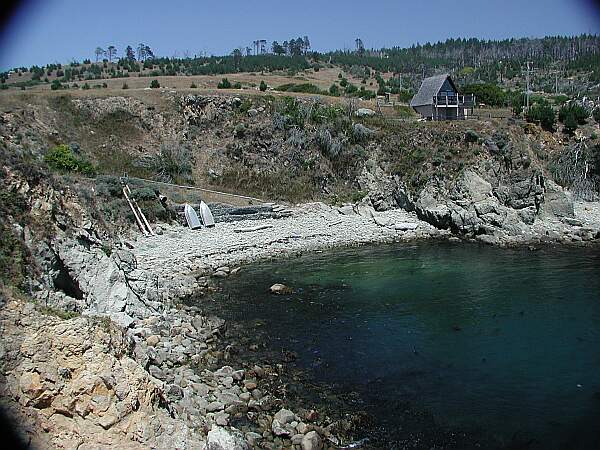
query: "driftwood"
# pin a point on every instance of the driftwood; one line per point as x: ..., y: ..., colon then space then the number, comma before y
x: 135, y: 213
x: 249, y: 229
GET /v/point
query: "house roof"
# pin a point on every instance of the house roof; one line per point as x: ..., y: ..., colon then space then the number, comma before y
x: 429, y: 88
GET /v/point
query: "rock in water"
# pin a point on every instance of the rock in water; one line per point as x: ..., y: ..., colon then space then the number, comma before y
x: 224, y: 439
x: 280, y: 289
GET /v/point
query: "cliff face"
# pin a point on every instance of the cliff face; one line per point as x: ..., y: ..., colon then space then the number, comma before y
x: 486, y: 179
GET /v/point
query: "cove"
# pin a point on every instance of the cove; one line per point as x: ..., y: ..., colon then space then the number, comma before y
x: 503, y: 344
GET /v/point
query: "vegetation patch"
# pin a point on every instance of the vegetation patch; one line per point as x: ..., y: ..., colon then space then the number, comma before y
x: 62, y: 158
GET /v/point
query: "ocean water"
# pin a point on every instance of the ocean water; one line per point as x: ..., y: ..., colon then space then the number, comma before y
x: 500, y: 342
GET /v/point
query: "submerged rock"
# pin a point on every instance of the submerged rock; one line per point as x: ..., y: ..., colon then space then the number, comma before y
x: 280, y: 289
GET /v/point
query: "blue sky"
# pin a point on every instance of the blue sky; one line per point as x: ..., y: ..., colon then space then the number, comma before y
x: 45, y: 31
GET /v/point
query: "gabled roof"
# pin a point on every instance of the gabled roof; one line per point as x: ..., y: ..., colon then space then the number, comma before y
x: 429, y: 88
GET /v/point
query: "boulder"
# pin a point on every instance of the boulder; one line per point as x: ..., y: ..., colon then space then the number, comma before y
x: 474, y: 186
x: 280, y: 289
x: 284, y: 416
x: 557, y: 202
x: 405, y: 226
x: 364, y: 112
x: 347, y: 210
x: 311, y: 441
x: 225, y: 439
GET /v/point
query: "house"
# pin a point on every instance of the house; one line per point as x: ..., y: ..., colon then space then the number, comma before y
x: 439, y: 99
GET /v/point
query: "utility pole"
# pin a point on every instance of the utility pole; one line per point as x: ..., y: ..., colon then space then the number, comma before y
x: 528, y: 86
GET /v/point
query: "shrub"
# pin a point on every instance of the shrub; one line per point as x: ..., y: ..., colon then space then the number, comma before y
x: 56, y: 84
x: 125, y: 86
x: 578, y: 112
x: 154, y: 84
x: 193, y: 85
x: 86, y: 86
x: 350, y: 88
x: 543, y: 114
x: 104, y: 85
x: 334, y: 90
x: 224, y: 84
x: 62, y: 158
x: 172, y: 163
x: 108, y: 186
x: 360, y: 133
x: 488, y: 93
x: 472, y: 136
x: 297, y: 138
x: 330, y: 147
x: 570, y: 124
x: 596, y: 115
x: 307, y: 88
x: 517, y: 102
x: 288, y: 114
x: 343, y: 83
x: 237, y: 85
x: 263, y: 86
x: 239, y: 130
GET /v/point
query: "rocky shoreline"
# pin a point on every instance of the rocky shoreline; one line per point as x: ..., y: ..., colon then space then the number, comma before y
x: 139, y: 369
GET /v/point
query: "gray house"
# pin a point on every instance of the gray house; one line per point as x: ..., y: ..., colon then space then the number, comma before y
x: 438, y: 99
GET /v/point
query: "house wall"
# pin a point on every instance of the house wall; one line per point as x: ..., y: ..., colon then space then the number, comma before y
x: 425, y: 110
x: 447, y: 88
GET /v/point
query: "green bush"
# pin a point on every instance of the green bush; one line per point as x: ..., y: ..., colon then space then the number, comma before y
x: 307, y: 88
x: 193, y: 85
x: 488, y: 93
x: 596, y: 115
x: 543, y: 114
x: 154, y: 84
x: 62, y: 158
x: 405, y: 96
x: 263, y: 86
x: 578, y: 112
x: 334, y: 90
x: 288, y: 114
x: 56, y: 84
x: 224, y: 84
x: 570, y: 124
x: 85, y: 86
x: 472, y: 136
x: 350, y: 88
x: 125, y: 86
x: 237, y: 85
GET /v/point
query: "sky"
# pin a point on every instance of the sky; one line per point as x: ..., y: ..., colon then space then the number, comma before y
x: 48, y: 31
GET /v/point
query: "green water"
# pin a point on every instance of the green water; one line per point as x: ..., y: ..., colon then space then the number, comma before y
x: 504, y: 343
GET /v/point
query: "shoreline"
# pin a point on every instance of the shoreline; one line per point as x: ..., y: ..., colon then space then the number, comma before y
x: 179, y: 256
x: 178, y: 353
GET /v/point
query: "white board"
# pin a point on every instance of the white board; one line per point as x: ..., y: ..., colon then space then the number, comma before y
x: 192, y: 217
x: 207, y: 218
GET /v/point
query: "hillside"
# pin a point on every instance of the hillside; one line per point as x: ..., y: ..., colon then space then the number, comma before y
x: 559, y: 65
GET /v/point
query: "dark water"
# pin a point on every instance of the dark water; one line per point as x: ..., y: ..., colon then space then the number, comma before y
x: 506, y: 342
